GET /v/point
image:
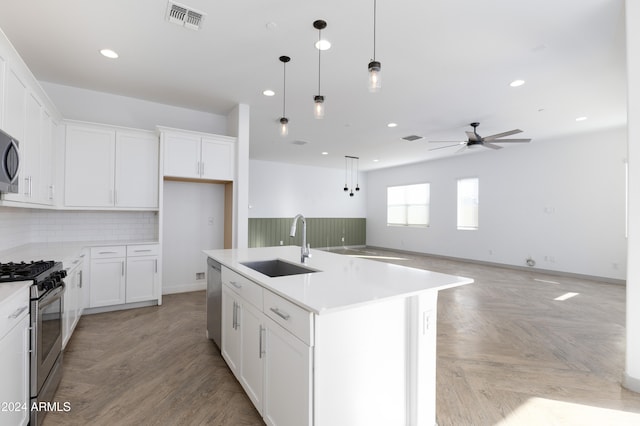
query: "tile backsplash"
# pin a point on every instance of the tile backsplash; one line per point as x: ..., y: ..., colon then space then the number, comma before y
x: 20, y: 226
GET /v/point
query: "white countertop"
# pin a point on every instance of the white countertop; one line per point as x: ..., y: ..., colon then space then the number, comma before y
x: 65, y: 252
x: 9, y: 290
x: 342, y: 281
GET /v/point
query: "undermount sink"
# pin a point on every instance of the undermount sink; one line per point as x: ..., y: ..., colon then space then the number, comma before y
x: 277, y: 268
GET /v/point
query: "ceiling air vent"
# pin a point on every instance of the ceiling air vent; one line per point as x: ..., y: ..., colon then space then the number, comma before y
x: 412, y: 138
x: 183, y: 15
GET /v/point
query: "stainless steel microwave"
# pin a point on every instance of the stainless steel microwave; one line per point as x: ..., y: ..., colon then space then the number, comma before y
x: 9, y: 163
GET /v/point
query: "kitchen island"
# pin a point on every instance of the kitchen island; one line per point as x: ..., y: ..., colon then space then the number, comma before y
x: 348, y: 341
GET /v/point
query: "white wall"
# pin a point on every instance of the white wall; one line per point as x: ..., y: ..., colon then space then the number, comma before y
x: 563, y: 200
x: 284, y: 190
x: 193, y: 220
x: 97, y: 107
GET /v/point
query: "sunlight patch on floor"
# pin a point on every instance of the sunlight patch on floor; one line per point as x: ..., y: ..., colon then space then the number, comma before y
x: 566, y: 296
x: 372, y: 256
x: 541, y: 411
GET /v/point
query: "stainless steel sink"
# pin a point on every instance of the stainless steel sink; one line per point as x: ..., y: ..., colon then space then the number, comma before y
x: 277, y: 268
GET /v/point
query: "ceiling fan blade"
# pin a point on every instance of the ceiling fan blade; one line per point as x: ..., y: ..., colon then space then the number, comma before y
x: 448, y: 146
x: 490, y: 145
x: 511, y: 140
x: 472, y: 136
x: 503, y: 134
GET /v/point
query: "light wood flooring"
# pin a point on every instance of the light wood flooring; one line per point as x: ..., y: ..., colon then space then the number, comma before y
x: 508, y: 354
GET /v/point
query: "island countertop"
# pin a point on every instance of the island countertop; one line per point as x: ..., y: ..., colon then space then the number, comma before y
x: 340, y: 281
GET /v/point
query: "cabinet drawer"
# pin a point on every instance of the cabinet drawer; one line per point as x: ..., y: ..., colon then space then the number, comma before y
x: 143, y: 250
x: 14, y: 307
x: 246, y: 288
x: 289, y: 315
x: 108, y: 252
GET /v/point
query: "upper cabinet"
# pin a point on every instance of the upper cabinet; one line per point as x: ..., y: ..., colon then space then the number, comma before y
x: 194, y: 155
x: 27, y: 114
x: 108, y: 167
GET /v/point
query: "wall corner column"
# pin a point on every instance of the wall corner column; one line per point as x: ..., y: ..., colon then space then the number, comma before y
x: 238, y: 125
x: 631, y: 379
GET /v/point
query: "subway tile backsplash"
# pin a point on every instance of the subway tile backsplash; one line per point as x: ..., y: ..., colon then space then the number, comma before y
x: 21, y: 226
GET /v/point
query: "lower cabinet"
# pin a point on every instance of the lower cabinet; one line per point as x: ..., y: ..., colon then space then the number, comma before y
x: 273, y: 365
x: 14, y: 359
x: 123, y: 274
x: 73, y: 299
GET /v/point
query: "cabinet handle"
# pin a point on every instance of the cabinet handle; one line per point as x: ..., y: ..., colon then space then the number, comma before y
x: 202, y: 168
x: 142, y: 251
x: 115, y: 196
x: 285, y: 316
x: 261, y: 343
x: 17, y: 313
x: 107, y: 252
x: 122, y: 263
x: 51, y: 191
x: 235, y: 284
x: 79, y: 279
x: 197, y: 168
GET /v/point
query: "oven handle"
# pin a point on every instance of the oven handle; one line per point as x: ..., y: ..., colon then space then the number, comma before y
x: 52, y: 295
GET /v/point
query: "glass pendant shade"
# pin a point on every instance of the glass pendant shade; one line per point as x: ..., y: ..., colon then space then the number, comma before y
x: 284, y: 126
x: 318, y: 106
x: 375, y: 81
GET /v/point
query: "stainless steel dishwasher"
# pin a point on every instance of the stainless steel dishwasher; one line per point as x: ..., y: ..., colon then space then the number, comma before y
x: 214, y: 301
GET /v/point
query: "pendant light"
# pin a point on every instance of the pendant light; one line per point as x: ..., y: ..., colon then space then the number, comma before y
x: 349, y: 162
x: 318, y: 100
x: 374, y: 66
x: 284, y: 121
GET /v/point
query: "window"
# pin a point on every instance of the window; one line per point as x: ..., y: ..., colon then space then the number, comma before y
x: 468, y: 203
x: 408, y: 205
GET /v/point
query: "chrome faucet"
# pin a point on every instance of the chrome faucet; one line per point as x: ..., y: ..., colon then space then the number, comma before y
x: 304, y: 250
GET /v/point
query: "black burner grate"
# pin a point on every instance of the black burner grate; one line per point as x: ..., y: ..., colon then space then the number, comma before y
x: 23, y: 271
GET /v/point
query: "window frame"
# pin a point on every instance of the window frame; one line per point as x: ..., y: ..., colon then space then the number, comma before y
x: 406, y: 206
x: 475, y: 200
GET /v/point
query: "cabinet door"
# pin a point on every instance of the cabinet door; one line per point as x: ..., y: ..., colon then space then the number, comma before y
x: 14, y: 370
x: 217, y: 159
x: 252, y: 352
x: 89, y: 167
x: 181, y: 155
x: 69, y: 312
x: 45, y: 187
x: 287, y: 378
x: 230, y: 330
x: 142, y: 278
x: 136, y: 173
x: 108, y: 283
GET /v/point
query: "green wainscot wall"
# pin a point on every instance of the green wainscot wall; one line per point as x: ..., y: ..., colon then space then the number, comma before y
x: 321, y: 232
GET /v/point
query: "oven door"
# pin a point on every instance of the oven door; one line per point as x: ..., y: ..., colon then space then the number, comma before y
x: 46, y: 336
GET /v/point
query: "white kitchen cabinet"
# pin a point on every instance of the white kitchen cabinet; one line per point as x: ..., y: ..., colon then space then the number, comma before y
x: 110, y: 168
x: 14, y: 122
x: 73, y: 299
x: 287, y: 378
x: 272, y: 364
x: 124, y: 274
x: 14, y: 358
x: 89, y: 167
x: 142, y: 273
x: 108, y: 281
x: 195, y: 155
x: 136, y: 173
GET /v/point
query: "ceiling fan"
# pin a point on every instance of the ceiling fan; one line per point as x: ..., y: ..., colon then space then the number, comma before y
x: 474, y: 139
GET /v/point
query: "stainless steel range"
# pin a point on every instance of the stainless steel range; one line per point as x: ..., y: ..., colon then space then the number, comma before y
x: 47, y: 293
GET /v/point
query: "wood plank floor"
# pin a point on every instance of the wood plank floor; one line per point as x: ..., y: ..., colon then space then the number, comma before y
x: 508, y: 354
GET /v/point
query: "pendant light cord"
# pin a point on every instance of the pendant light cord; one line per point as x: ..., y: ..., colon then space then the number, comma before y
x: 284, y: 89
x: 319, y: 52
x: 374, y: 29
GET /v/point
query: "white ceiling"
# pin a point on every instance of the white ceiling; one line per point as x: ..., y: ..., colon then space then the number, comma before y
x: 445, y: 63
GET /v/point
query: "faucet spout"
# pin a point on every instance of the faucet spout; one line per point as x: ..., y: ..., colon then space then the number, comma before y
x: 304, y: 250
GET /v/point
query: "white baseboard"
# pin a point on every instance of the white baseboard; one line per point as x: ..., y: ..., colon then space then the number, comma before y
x: 631, y: 383
x: 185, y: 288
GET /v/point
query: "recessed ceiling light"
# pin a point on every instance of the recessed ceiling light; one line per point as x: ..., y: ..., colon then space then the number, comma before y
x: 323, y: 44
x: 516, y: 83
x: 392, y: 125
x: 268, y: 92
x: 375, y: 160
x: 325, y: 153
x: 108, y: 53
x: 581, y: 118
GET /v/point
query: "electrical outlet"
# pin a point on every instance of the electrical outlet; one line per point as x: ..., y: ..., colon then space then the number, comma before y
x: 199, y: 275
x: 210, y: 221
x: 281, y: 242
